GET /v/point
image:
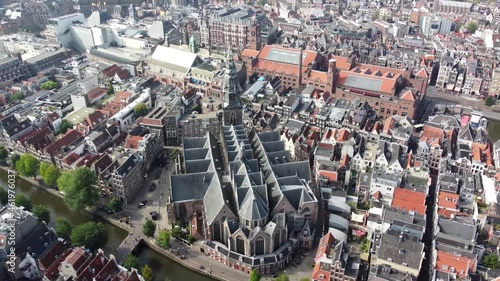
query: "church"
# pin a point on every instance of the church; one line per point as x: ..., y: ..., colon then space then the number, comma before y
x: 241, y: 193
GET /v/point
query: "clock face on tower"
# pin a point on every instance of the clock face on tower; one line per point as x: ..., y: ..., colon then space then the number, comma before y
x: 253, y: 33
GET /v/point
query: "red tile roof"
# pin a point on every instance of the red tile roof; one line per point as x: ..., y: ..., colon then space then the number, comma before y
x: 448, y: 200
x: 249, y: 53
x: 343, y: 63
x: 461, y: 265
x: 52, y: 254
x: 320, y: 274
x: 422, y: 74
x: 53, y: 116
x: 408, y: 96
x: 77, y: 258
x: 409, y: 200
x: 331, y: 176
x: 93, y: 268
x: 70, y: 137
x: 52, y: 273
x: 95, y: 94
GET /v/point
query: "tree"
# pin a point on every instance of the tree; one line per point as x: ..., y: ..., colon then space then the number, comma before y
x: 131, y: 261
x: 92, y: 235
x: 23, y: 201
x: 4, y: 197
x: 471, y: 27
x: 489, y: 101
x: 147, y: 273
x: 282, y: 277
x: 65, y: 125
x: 50, y: 173
x: 254, y: 276
x: 141, y: 109
x: 191, y: 239
x: 79, y: 187
x: 111, y: 89
x: 115, y: 204
x: 4, y: 154
x: 49, y: 85
x: 14, y: 158
x: 15, y: 97
x: 149, y: 228
x: 63, y: 228
x: 365, y: 245
x: 27, y: 165
x: 42, y: 213
x: 163, y: 239
x: 491, y: 261
x: 177, y: 232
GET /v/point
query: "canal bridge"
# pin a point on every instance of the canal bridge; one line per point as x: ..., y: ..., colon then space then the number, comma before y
x: 128, y: 245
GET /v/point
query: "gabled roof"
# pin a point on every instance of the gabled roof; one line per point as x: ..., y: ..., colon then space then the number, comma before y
x: 408, y: 96
x: 253, y: 207
x: 422, y: 73
x: 458, y: 264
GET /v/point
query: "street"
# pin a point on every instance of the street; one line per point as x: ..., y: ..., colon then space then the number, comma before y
x: 439, y: 97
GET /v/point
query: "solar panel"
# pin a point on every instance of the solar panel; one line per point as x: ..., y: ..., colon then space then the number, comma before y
x: 363, y: 83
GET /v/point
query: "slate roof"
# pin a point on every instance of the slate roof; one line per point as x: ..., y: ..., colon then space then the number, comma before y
x: 188, y: 187
x: 401, y: 248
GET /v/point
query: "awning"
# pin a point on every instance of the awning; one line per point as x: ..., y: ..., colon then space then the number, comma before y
x: 450, y: 87
x: 457, y: 89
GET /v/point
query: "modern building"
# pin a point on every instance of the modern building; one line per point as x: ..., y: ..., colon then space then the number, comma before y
x: 57, y: 28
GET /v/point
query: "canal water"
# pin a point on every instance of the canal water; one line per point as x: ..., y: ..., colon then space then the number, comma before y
x: 162, y: 266
x: 494, y: 130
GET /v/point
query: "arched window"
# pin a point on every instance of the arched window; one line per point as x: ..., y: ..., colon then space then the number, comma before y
x: 259, y: 246
x: 240, y: 245
x: 306, y: 209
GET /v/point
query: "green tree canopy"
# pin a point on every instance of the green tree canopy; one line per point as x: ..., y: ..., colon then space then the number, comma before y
x: 491, y: 261
x: 489, y: 101
x: 254, y: 276
x: 79, y: 187
x: 131, y: 261
x: 23, y: 201
x: 63, y: 228
x: 147, y: 273
x: 15, y: 97
x: 149, y: 228
x: 42, y: 213
x: 141, y: 110
x: 471, y: 27
x: 4, y: 154
x: 49, y: 85
x: 91, y: 235
x: 4, y: 197
x: 177, y: 232
x: 163, y: 239
x: 50, y: 173
x: 111, y: 89
x: 13, y: 159
x: 282, y: 277
x: 115, y: 204
x: 27, y: 165
x: 65, y: 125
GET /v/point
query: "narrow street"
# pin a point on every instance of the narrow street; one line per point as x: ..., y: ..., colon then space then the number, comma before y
x: 426, y: 268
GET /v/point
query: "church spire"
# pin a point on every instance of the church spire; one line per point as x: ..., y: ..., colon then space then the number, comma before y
x: 233, y: 111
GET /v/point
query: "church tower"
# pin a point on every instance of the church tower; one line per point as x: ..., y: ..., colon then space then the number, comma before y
x: 232, y: 108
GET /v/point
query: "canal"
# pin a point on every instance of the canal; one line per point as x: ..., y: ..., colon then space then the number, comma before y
x: 494, y: 130
x: 162, y: 266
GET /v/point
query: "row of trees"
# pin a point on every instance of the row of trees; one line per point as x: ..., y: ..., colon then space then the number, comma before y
x: 79, y: 185
x: 92, y: 235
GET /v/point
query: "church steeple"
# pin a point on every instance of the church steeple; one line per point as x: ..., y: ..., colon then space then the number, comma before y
x: 233, y: 110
